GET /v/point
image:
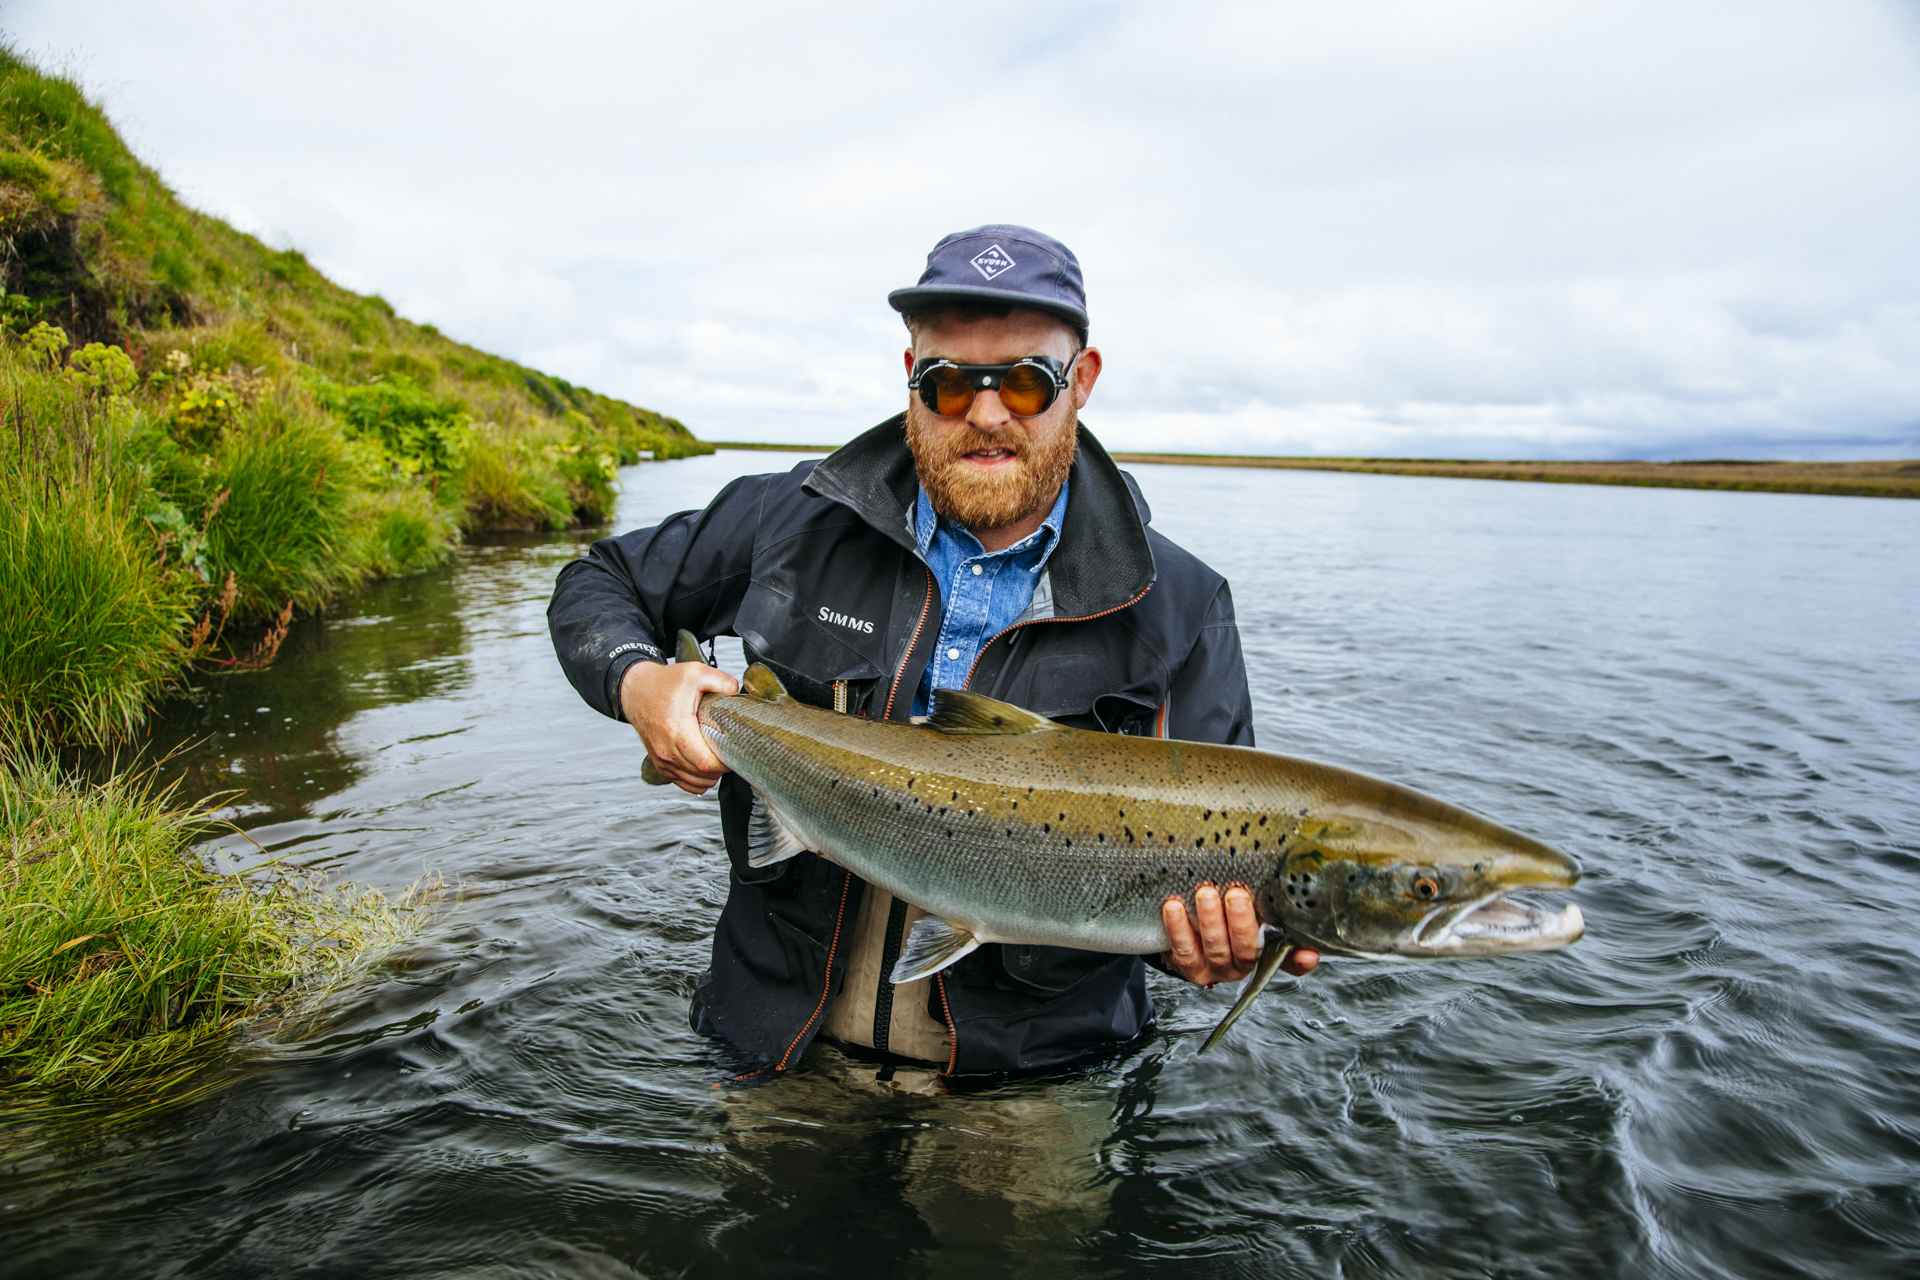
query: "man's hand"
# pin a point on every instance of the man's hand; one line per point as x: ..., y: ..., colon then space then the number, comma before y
x: 661, y: 703
x: 1226, y: 945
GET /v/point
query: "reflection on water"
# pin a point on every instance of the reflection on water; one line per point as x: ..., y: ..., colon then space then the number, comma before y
x: 1712, y: 699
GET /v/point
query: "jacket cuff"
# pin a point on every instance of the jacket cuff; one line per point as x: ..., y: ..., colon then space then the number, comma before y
x: 625, y: 657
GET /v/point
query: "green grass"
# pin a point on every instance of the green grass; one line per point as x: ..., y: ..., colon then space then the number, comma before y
x: 125, y: 964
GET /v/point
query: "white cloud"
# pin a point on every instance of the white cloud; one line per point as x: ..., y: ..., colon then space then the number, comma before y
x: 1485, y: 227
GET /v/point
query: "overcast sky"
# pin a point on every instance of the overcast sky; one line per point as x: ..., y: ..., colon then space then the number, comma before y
x: 1516, y: 228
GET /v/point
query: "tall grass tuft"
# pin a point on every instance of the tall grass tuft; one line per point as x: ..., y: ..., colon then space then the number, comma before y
x: 283, y: 526
x: 92, y: 616
x: 509, y: 484
x: 125, y: 962
x: 400, y: 531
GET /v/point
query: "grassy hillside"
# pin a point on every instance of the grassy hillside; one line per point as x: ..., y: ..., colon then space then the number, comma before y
x: 204, y: 435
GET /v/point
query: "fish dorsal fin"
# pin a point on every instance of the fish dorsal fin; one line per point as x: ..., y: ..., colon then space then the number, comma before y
x: 932, y: 945
x: 689, y: 650
x: 769, y: 840
x: 760, y: 682
x: 956, y: 711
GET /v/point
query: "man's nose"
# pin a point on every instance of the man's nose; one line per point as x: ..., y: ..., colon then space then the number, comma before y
x: 987, y: 413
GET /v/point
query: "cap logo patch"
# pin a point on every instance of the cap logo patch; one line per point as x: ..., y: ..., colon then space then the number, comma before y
x: 992, y: 262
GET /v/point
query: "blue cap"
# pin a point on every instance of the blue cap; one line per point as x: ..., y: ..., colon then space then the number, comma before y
x: 1014, y: 265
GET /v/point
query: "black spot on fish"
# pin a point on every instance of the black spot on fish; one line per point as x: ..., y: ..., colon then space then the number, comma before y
x: 954, y: 796
x: 896, y: 806
x: 1256, y: 846
x: 1063, y: 817
x: 1069, y: 844
x: 1123, y: 813
x: 1263, y: 820
x: 1129, y: 831
x: 1243, y: 828
x: 1200, y: 842
x: 1206, y: 815
x: 1046, y: 827
x: 1103, y: 837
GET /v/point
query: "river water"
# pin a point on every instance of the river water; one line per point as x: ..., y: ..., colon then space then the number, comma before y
x: 1711, y: 699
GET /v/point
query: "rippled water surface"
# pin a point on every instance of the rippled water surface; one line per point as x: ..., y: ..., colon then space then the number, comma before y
x: 1712, y: 699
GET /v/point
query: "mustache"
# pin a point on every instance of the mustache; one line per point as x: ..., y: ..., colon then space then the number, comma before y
x: 971, y: 440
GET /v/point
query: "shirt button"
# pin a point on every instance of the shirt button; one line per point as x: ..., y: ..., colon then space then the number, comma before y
x: 976, y: 571
x: 953, y: 655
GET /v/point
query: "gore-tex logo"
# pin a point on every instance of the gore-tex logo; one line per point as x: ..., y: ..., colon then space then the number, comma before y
x: 993, y: 262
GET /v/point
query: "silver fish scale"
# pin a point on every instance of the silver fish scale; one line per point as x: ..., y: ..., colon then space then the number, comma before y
x: 1003, y: 834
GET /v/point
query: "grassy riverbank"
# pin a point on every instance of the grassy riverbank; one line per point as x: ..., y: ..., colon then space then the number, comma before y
x: 1899, y: 478
x: 200, y: 437
x: 203, y: 436
x: 125, y: 964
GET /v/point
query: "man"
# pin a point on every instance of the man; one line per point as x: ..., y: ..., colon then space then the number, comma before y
x: 981, y: 540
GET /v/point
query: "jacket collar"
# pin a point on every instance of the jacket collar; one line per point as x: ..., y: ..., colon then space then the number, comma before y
x: 1103, y: 561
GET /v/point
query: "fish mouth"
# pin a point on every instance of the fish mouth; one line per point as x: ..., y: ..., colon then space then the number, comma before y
x: 1497, y: 925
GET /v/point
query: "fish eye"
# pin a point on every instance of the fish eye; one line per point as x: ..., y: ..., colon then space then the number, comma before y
x: 1426, y: 888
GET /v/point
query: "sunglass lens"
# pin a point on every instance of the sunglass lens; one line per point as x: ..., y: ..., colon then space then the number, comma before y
x: 947, y: 391
x: 1026, y: 391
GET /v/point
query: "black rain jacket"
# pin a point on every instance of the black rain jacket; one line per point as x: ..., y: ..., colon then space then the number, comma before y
x: 818, y: 573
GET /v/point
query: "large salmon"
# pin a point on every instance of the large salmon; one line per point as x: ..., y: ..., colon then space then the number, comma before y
x: 1008, y: 827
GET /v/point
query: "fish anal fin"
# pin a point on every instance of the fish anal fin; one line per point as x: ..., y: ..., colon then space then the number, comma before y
x: 769, y: 840
x: 689, y: 650
x: 1276, y: 950
x: 932, y: 944
x: 957, y: 711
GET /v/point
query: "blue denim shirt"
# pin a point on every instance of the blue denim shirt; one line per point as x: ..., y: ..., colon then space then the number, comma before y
x: 982, y: 592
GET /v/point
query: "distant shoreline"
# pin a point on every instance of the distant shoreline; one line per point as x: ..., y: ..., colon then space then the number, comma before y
x: 1891, y: 479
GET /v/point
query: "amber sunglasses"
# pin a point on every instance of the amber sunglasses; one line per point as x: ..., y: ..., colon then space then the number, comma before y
x: 1027, y: 387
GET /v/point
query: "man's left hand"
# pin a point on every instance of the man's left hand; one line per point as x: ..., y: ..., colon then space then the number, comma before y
x: 1225, y: 945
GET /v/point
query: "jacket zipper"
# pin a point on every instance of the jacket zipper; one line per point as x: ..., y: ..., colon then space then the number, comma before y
x: 907, y: 657
x: 826, y: 985
x: 953, y: 1032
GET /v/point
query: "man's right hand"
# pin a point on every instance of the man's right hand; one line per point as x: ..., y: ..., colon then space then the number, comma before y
x: 662, y: 703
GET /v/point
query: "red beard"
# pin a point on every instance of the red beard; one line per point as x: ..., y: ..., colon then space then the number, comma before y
x: 992, y: 500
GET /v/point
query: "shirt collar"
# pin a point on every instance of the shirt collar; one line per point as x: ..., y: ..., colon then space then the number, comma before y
x: 1047, y: 536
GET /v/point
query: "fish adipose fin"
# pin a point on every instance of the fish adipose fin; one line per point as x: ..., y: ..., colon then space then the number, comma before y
x: 956, y: 711
x: 768, y: 839
x: 932, y: 945
x: 759, y: 682
x: 650, y: 775
x: 1276, y: 950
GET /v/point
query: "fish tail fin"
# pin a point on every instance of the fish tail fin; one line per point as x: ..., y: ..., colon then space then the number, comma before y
x: 759, y: 682
x: 932, y: 945
x: 1276, y: 950
x: 689, y: 650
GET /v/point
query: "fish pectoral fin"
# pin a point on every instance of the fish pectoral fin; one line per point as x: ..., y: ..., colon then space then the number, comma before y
x: 689, y: 650
x: 759, y: 682
x: 649, y: 774
x: 932, y: 945
x: 1276, y: 950
x: 768, y: 839
x: 957, y: 711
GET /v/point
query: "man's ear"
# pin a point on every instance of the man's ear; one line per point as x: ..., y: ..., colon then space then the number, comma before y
x: 908, y: 356
x: 1086, y: 371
